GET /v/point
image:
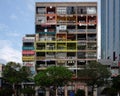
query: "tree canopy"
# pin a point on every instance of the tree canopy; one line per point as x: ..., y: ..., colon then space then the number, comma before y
x: 14, y: 73
x: 53, y: 76
x: 97, y: 74
x: 116, y: 83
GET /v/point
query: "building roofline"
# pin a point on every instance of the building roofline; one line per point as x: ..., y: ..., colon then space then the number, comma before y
x: 74, y: 3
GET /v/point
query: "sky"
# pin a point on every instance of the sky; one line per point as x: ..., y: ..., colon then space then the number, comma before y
x: 17, y: 18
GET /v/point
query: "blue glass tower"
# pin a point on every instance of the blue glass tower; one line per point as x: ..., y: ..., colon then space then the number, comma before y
x: 110, y: 29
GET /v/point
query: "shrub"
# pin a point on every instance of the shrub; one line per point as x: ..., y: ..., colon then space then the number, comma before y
x: 80, y: 92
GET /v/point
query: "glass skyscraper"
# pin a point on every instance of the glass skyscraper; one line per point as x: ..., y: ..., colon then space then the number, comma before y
x: 110, y: 29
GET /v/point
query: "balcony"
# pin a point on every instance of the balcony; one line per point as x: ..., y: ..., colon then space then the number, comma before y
x: 81, y: 55
x: 91, y: 37
x: 51, y: 10
x: 28, y: 48
x: 91, y: 55
x: 81, y: 46
x: 91, y: 10
x: 61, y: 10
x: 41, y: 20
x: 92, y: 20
x: 81, y: 28
x: 71, y: 28
x: 29, y: 64
x: 40, y: 55
x: 42, y: 30
x: 81, y: 10
x: 51, y: 19
x: 51, y: 63
x: 71, y: 64
x: 71, y: 10
x: 82, y: 20
x: 71, y: 19
x: 81, y: 37
x: 40, y: 46
x: 71, y: 46
x: 92, y: 46
x: 61, y: 19
x: 92, y: 28
x: 40, y: 58
x: 28, y: 39
x: 40, y: 10
x: 28, y: 58
x: 50, y: 55
x: 61, y: 37
x: 61, y: 62
x: 71, y: 37
x: 61, y: 46
x: 61, y: 28
x: 50, y: 46
x: 71, y: 55
x: 24, y: 52
x: 61, y: 55
x: 81, y: 64
x: 40, y: 65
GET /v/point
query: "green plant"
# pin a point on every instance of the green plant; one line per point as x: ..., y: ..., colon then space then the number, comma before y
x: 6, y: 92
x: 28, y: 91
x: 80, y: 92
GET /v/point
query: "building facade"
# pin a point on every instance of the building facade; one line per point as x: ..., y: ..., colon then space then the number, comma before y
x: 28, y: 52
x: 66, y: 34
x: 110, y: 29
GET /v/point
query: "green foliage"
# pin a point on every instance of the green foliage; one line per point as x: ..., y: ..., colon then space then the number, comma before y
x: 11, y: 72
x: 28, y: 91
x: 14, y: 73
x: 80, y: 92
x: 61, y: 75
x: 53, y: 76
x: 43, y: 79
x: 116, y: 83
x: 114, y: 88
x: 6, y: 92
x: 96, y: 73
x: 109, y: 91
x: 25, y: 73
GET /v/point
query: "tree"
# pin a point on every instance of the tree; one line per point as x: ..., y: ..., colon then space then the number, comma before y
x: 116, y: 83
x: 109, y: 91
x: 96, y: 75
x: 14, y: 73
x: 114, y: 88
x: 53, y: 76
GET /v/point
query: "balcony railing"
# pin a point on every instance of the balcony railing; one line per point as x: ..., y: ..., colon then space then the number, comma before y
x: 27, y: 58
x: 91, y: 30
x: 27, y: 52
x: 81, y: 30
x: 28, y: 48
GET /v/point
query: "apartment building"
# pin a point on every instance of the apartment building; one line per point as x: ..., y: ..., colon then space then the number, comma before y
x: 66, y: 34
x: 28, y: 52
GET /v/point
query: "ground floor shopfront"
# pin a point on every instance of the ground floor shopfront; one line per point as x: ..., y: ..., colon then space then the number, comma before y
x: 67, y: 90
